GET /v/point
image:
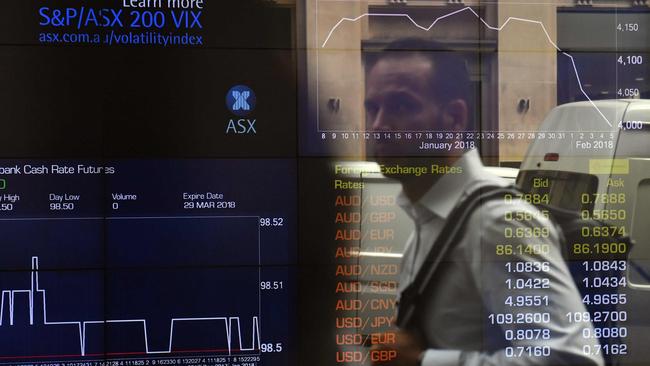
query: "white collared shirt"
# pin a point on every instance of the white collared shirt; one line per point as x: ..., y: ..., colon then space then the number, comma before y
x: 452, y: 313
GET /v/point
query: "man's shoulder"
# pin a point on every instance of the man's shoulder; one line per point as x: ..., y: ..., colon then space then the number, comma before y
x: 513, y: 229
x: 508, y: 219
x: 507, y: 208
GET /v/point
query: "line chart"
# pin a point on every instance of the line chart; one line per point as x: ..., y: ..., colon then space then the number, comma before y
x: 487, y: 25
x: 158, y: 273
x: 231, y: 324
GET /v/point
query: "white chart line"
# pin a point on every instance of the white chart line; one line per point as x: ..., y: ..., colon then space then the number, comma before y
x: 127, y: 218
x: 426, y: 29
x: 229, y: 322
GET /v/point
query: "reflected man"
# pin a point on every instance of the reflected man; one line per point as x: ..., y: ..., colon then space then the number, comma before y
x: 469, y: 314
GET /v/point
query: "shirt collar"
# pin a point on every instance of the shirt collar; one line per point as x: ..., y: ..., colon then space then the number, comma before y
x: 441, y: 198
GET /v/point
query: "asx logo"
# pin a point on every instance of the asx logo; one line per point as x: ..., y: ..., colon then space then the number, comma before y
x: 241, y: 101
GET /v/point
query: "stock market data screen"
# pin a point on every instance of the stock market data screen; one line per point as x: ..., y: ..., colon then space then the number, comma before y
x: 324, y: 182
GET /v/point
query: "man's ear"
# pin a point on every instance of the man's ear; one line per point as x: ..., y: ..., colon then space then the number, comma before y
x: 456, y: 115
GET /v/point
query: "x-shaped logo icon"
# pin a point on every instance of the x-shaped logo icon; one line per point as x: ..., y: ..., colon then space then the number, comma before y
x: 241, y: 100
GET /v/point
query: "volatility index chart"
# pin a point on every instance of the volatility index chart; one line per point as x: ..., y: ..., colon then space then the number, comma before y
x: 156, y: 262
x: 521, y: 61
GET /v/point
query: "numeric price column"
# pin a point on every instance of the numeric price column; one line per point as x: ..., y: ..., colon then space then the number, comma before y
x: 522, y: 264
x: 599, y: 265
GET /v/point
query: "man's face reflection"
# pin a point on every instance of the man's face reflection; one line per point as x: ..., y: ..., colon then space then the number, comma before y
x: 400, y: 97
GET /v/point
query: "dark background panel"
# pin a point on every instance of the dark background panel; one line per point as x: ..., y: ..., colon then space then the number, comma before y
x: 226, y: 24
x: 147, y: 101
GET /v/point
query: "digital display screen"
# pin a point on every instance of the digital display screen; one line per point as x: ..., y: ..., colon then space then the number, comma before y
x: 324, y: 182
x: 99, y: 264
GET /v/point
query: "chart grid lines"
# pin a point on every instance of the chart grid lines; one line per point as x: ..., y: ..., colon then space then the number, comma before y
x: 231, y: 324
x: 426, y: 29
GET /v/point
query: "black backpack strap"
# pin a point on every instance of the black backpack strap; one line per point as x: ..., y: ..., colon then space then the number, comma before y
x: 448, y: 237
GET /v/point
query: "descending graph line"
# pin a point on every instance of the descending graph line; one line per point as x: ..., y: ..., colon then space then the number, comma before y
x: 487, y: 25
x: 229, y: 322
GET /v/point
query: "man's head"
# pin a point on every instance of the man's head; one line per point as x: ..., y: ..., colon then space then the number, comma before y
x: 415, y: 85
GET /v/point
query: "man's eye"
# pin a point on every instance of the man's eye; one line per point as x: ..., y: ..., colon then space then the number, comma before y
x: 371, y: 108
x: 401, y: 106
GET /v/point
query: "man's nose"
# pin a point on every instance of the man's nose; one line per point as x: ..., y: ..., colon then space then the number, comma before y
x: 381, y: 121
